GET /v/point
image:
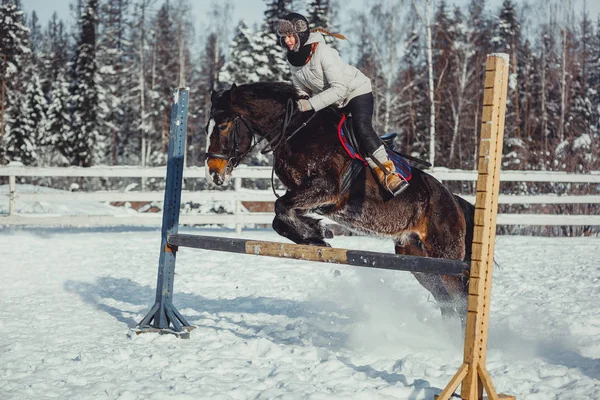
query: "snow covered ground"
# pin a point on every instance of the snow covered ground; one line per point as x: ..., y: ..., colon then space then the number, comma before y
x: 278, y: 329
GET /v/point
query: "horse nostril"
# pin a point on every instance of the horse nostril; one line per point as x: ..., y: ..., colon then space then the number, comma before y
x: 217, y: 179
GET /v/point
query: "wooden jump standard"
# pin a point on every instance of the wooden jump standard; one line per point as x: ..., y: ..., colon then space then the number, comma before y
x: 472, y: 374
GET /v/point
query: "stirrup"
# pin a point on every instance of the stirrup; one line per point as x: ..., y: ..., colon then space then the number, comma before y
x: 387, y: 174
x: 401, y: 188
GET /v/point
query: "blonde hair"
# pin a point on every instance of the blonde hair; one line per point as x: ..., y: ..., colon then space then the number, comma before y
x: 326, y: 32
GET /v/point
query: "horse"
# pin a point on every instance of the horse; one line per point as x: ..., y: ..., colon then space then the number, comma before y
x: 427, y: 219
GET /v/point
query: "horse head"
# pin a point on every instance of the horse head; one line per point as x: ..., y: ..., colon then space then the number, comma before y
x: 230, y: 137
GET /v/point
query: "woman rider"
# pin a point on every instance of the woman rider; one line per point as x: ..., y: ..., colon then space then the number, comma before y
x: 322, y: 78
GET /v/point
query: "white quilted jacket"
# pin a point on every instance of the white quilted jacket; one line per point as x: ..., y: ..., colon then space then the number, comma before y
x: 327, y: 79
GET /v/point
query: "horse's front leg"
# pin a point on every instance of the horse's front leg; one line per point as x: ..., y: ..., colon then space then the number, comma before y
x: 291, y: 220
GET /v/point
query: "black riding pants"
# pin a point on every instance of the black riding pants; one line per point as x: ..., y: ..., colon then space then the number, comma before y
x: 361, y: 108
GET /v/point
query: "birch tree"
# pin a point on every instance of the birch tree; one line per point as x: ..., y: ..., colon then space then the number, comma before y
x: 462, y: 76
x: 425, y: 17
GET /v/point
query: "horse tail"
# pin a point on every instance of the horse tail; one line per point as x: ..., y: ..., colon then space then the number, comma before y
x: 468, y: 211
x: 326, y: 32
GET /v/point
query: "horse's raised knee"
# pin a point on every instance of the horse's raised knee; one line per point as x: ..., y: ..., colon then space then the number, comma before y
x: 410, y: 244
x: 278, y: 226
x: 280, y: 207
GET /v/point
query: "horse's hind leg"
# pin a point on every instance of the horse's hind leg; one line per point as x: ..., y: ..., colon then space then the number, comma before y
x: 410, y: 244
x: 451, y: 246
x: 291, y: 222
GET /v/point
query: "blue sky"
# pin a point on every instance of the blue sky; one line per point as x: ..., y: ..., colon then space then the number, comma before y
x: 249, y: 10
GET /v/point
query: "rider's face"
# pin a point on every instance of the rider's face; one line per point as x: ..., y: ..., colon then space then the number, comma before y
x: 290, y: 41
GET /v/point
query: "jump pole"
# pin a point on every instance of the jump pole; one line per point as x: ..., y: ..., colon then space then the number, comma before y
x: 473, y: 374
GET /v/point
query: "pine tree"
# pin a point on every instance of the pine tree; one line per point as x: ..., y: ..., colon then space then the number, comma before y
x: 28, y: 126
x: 269, y: 61
x: 582, y: 116
x: 593, y: 84
x: 20, y: 143
x: 35, y: 38
x: 320, y: 14
x: 86, y: 142
x: 274, y: 67
x: 508, y: 31
x: 276, y: 9
x: 14, y: 42
x: 115, y: 61
x: 37, y: 106
x: 334, y: 23
x: 241, y: 64
x: 14, y: 37
x: 164, y: 63
x: 507, y: 40
x: 55, y: 144
x: 55, y: 53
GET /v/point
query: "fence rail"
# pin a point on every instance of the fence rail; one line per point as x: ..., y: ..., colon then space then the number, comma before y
x: 238, y: 195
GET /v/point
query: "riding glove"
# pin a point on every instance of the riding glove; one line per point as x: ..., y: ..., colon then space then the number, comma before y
x: 304, y: 105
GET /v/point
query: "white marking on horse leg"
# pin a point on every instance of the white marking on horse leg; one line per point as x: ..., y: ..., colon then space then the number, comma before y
x: 211, y: 127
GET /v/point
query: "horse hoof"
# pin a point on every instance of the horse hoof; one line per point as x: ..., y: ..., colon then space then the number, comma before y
x: 326, y: 232
x: 320, y: 243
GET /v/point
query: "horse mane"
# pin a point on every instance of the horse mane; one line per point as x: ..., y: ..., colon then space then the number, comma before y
x: 276, y: 91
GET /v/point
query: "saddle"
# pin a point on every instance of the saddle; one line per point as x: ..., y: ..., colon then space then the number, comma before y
x: 350, y: 143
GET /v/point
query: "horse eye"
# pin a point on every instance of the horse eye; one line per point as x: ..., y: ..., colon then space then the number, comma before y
x: 222, y: 127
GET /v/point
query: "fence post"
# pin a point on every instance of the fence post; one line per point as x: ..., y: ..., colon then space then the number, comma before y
x: 12, y: 186
x: 237, y: 207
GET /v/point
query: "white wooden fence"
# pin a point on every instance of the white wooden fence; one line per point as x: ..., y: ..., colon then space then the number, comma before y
x: 237, y: 195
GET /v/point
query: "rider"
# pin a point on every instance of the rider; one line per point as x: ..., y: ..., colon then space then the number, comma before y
x: 322, y: 78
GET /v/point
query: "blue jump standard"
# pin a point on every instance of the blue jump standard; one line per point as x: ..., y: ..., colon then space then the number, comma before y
x: 163, y: 317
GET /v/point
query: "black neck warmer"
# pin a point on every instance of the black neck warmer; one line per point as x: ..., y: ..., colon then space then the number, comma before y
x: 298, y: 58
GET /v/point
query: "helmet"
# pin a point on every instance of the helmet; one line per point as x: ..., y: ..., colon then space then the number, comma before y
x: 294, y: 24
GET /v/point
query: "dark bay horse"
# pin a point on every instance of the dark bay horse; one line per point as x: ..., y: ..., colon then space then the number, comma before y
x: 425, y: 220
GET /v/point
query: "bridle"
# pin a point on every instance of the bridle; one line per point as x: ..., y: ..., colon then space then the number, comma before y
x: 234, y: 156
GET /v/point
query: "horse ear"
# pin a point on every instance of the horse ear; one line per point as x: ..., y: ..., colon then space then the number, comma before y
x: 213, y: 96
x: 231, y: 93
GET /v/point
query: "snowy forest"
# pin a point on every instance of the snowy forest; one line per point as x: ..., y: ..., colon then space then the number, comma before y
x: 96, y: 89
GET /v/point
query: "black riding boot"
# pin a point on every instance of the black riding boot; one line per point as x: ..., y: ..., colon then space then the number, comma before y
x: 361, y: 108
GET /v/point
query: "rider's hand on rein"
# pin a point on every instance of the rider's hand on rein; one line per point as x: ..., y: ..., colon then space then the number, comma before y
x: 304, y: 105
